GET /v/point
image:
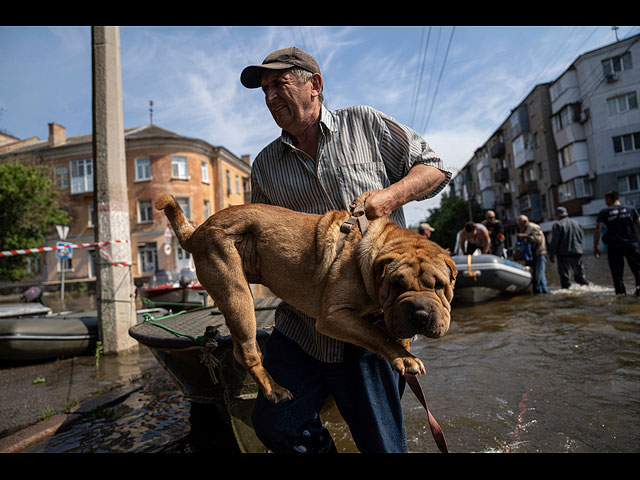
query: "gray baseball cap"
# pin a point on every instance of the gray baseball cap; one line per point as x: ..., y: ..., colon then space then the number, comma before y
x: 279, y: 60
x: 561, y: 212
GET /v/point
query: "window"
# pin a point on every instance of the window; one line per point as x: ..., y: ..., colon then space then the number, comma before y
x: 33, y: 265
x: 66, y: 264
x: 565, y: 156
x: 61, y: 177
x: 528, y: 174
x: 145, y: 211
x: 229, y: 189
x: 626, y: 143
x: 617, y: 64
x: 185, y: 204
x: 622, y: 103
x: 583, y: 187
x: 238, y: 188
x: 179, y: 168
x: 91, y: 220
x: 563, y: 118
x: 629, y: 183
x: 518, y: 146
x: 207, y: 209
x: 525, y: 202
x: 148, y: 257
x: 143, y: 169
x: 81, y: 175
x: 565, y: 192
x: 204, y: 167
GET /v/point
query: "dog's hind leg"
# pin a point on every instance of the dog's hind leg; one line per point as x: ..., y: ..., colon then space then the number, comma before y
x: 219, y: 270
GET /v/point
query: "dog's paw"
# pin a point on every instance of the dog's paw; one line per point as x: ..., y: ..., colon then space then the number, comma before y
x: 408, y: 364
x: 278, y: 394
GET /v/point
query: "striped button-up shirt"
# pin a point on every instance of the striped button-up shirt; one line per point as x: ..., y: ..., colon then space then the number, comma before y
x: 359, y: 149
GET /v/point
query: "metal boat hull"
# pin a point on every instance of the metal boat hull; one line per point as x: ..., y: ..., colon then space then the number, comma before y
x: 484, y: 277
x: 204, y: 368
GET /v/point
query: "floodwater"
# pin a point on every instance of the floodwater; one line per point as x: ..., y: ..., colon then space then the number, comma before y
x: 555, y: 373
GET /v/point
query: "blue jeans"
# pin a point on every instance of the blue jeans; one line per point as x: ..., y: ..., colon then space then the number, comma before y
x: 539, y: 274
x: 365, y: 388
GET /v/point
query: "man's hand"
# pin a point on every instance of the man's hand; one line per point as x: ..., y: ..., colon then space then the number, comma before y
x: 377, y: 203
x: 250, y: 259
x: 420, y: 180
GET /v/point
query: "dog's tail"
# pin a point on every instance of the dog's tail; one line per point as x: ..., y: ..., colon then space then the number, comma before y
x: 181, y: 226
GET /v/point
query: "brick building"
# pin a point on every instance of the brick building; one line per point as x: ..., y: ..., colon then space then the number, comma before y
x: 203, y: 178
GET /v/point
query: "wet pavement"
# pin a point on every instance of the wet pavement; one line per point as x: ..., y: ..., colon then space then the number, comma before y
x: 38, y: 398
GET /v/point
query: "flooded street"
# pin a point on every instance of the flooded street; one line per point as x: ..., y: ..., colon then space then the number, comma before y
x: 558, y: 373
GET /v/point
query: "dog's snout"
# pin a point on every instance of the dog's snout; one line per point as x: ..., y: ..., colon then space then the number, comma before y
x: 421, y: 319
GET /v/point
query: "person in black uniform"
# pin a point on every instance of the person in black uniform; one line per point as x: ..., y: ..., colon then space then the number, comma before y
x: 621, y: 240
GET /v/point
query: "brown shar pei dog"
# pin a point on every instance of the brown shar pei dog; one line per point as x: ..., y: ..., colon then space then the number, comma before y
x: 390, y: 269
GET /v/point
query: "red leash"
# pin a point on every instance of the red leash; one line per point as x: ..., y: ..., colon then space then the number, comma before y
x: 436, y: 431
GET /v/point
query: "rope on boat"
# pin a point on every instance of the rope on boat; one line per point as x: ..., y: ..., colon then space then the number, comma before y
x: 147, y: 318
x: 150, y: 302
x: 471, y: 274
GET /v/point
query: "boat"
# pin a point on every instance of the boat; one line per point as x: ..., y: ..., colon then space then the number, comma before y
x: 175, y: 291
x: 484, y: 277
x: 195, y: 348
x: 19, y: 309
x: 54, y: 335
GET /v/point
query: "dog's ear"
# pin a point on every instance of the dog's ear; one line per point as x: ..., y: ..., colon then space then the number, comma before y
x: 380, y: 266
x: 451, y: 264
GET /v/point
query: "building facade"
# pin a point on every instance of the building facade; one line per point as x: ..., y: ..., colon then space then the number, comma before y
x: 566, y: 144
x: 202, y: 177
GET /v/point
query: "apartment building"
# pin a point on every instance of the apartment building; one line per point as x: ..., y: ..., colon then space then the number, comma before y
x: 203, y: 178
x: 566, y: 144
x: 514, y: 173
x: 596, y: 125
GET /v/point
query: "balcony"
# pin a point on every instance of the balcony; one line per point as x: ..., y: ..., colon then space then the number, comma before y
x: 497, y: 149
x: 574, y: 132
x: 575, y: 169
x: 504, y: 200
x: 528, y: 187
x: 523, y: 157
x: 501, y: 175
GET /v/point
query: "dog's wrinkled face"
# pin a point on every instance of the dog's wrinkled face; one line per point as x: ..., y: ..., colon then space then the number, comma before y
x: 416, y: 291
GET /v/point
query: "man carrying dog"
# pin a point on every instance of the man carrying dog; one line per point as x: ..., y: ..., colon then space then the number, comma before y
x: 330, y: 160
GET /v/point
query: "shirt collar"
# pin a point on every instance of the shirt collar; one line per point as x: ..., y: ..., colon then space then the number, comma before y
x: 327, y: 126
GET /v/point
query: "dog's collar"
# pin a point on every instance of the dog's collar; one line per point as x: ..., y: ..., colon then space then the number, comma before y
x: 358, y: 216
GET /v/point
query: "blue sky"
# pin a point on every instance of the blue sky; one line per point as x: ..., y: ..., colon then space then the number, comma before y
x: 455, y: 89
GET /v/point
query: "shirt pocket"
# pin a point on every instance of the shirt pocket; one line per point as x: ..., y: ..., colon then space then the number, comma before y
x: 357, y: 178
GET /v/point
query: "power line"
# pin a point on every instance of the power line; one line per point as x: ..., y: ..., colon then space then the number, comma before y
x: 435, y: 94
x: 419, y: 73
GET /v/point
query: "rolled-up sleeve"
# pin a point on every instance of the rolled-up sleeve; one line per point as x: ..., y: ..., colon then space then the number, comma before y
x: 403, y: 148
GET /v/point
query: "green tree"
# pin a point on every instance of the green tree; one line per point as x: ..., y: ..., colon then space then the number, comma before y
x: 28, y: 211
x: 449, y: 218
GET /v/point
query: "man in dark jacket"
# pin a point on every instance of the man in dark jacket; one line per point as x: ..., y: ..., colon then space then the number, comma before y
x: 621, y: 240
x: 567, y: 245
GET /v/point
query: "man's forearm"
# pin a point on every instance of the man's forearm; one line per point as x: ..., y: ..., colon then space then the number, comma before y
x: 418, y: 183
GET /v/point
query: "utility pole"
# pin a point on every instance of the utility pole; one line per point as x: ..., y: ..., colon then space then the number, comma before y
x: 114, y: 285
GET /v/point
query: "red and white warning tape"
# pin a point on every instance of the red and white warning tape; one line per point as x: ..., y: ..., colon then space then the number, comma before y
x: 23, y: 251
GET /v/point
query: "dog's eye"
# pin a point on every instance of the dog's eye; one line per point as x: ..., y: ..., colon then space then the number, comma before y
x: 438, y: 285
